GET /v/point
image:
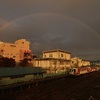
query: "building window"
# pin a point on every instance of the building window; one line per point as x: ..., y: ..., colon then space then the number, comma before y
x: 45, y: 56
x: 61, y: 63
x: 13, y: 45
x: 1, y: 56
x: 54, y: 62
x: 1, y: 50
x: 14, y: 56
x: 62, y: 55
x: 50, y: 55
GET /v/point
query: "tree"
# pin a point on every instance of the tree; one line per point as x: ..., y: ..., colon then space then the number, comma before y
x: 7, y: 62
x: 25, y: 63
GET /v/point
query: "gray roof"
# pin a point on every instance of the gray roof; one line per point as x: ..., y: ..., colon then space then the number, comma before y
x: 4, y: 71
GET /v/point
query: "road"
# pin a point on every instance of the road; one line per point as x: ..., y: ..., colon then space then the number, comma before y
x: 84, y: 87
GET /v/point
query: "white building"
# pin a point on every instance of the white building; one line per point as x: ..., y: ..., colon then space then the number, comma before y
x: 54, y: 60
x: 78, y: 62
x: 85, y: 63
x: 59, y: 54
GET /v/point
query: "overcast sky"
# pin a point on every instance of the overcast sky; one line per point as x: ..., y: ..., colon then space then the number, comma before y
x: 70, y: 25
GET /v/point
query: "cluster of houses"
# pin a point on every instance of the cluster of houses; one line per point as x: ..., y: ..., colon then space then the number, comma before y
x: 51, y: 60
x: 59, y: 60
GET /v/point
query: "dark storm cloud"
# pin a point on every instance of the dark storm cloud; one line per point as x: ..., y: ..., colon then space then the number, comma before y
x: 52, y: 24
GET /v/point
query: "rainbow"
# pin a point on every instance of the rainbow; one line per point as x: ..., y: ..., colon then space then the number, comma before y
x: 51, y: 14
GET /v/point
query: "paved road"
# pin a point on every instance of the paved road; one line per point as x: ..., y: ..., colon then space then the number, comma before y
x: 85, y: 87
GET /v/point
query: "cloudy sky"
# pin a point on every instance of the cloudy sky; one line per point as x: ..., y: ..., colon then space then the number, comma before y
x: 70, y: 25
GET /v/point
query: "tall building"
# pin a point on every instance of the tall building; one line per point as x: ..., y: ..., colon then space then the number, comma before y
x: 18, y: 50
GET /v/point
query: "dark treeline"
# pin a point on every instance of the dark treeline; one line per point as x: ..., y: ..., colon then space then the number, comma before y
x: 7, y: 62
x: 10, y: 62
x: 25, y: 63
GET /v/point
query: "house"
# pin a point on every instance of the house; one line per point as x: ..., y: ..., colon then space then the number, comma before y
x: 78, y: 62
x: 85, y: 62
x: 54, y: 60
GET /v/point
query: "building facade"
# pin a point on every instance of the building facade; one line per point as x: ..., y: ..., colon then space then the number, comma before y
x: 58, y: 54
x: 54, y: 60
x: 18, y: 50
x: 78, y: 62
x: 85, y: 63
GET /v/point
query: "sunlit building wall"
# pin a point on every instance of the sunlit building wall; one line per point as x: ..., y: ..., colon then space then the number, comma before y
x: 57, y: 54
x: 18, y: 50
x: 52, y: 65
x: 85, y: 63
x: 78, y: 62
x: 54, y: 60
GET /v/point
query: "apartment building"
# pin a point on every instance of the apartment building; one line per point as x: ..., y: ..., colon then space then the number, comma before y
x: 18, y: 50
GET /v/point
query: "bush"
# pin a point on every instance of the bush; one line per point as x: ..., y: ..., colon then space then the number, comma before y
x: 25, y: 63
x: 7, y: 62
